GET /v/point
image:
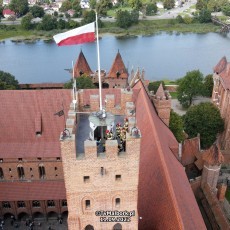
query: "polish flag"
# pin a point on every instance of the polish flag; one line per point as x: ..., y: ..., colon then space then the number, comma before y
x: 76, y: 36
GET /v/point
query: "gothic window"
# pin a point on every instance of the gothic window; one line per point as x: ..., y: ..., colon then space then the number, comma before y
x: 6, y: 204
x: 42, y: 172
x: 21, y: 204
x: 87, y: 204
x: 21, y: 173
x: 1, y: 174
x: 117, y: 202
x: 36, y: 204
x: 64, y: 203
x: 50, y: 203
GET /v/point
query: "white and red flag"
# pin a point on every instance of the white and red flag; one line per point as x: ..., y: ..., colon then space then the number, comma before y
x: 76, y: 36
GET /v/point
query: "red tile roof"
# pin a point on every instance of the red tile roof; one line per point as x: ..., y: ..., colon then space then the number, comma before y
x: 165, y: 197
x: 118, y: 67
x: 23, y: 112
x: 223, y: 70
x: 189, y: 150
x: 213, y: 155
x: 36, y: 190
x: 221, y: 65
x: 8, y: 12
x: 160, y: 91
x: 81, y: 66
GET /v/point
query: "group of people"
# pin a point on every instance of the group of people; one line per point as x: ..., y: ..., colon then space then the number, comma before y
x: 120, y: 135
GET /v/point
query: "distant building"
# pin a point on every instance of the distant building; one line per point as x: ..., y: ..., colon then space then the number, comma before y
x: 7, y: 13
x: 117, y: 77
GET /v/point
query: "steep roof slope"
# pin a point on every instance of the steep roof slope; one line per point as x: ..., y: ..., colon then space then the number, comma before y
x: 81, y: 66
x: 165, y: 197
x: 25, y: 112
x: 118, y: 68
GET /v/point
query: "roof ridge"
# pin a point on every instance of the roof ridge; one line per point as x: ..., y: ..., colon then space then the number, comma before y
x: 162, y: 157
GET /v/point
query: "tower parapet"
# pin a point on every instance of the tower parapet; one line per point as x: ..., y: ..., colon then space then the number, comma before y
x: 162, y: 102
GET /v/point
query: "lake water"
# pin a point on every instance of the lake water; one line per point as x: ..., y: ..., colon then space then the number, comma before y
x: 161, y: 56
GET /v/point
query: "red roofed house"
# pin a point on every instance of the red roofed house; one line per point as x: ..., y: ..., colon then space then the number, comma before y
x: 221, y: 98
x: 31, y: 174
x: 8, y: 13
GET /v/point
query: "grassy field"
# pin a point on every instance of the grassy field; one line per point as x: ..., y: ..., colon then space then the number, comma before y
x: 144, y: 28
x: 173, y: 95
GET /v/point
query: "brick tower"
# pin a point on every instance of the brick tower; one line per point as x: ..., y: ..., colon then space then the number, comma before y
x: 98, y: 181
x: 162, y: 102
x: 212, y: 163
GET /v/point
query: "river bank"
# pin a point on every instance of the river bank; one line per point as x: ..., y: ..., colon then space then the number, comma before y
x: 145, y: 28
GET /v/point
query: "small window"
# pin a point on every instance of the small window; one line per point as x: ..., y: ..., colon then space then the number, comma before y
x: 117, y: 202
x: 102, y: 171
x: 50, y: 203
x: 64, y: 203
x: 55, y: 168
x: 1, y: 159
x: 20, y: 159
x: 1, y: 174
x: 42, y: 172
x: 86, y: 179
x: 6, y: 204
x: 9, y: 169
x: 36, y: 204
x: 58, y: 158
x: 21, y: 204
x: 118, y: 177
x: 39, y: 158
x: 87, y: 204
x: 21, y: 173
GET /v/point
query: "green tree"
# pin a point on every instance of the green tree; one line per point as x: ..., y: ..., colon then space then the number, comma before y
x: 26, y: 22
x: 189, y: 86
x: 207, y: 86
x: 201, y: 4
x: 93, y: 4
x: 176, y: 126
x: 205, y: 16
x: 103, y: 6
x: 88, y: 17
x: 20, y: 7
x: 154, y: 85
x: 135, y: 4
x: 66, y: 5
x: 49, y: 22
x: 151, y: 9
x: 84, y: 82
x: 37, y: 11
x: 169, y: 4
x: 7, y: 81
x: 206, y: 120
x: 226, y: 9
x: 123, y: 19
x: 62, y: 24
x: 179, y: 19
x: 134, y: 16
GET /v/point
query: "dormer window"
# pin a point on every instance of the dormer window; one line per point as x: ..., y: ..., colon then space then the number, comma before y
x: 118, y: 74
x: 81, y: 72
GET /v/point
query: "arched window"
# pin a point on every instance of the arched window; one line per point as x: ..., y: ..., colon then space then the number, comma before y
x: 117, y: 226
x: 89, y: 227
x: 1, y: 174
x: 21, y: 173
x: 42, y: 172
x: 50, y: 203
x: 64, y: 203
x: 117, y: 202
x: 21, y: 204
x: 6, y: 204
x: 36, y: 204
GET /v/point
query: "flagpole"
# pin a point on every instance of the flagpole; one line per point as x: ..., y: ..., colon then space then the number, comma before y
x: 98, y: 64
